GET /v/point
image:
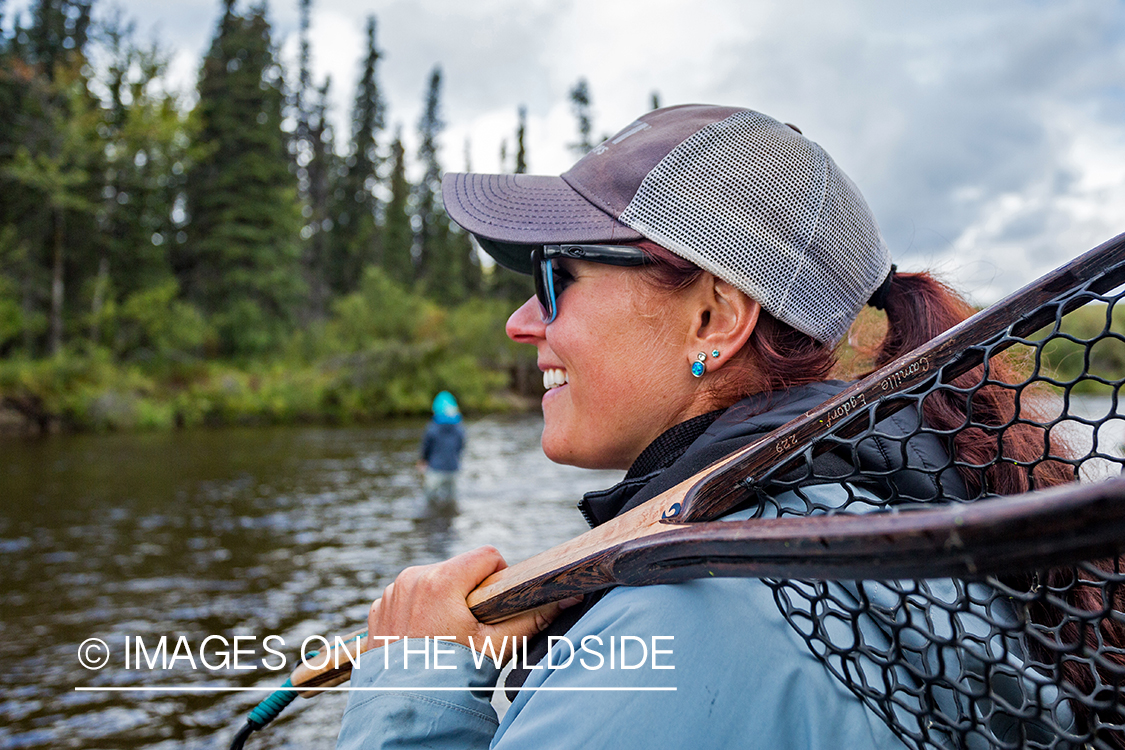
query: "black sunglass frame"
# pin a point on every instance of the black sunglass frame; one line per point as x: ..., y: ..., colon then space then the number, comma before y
x: 542, y: 267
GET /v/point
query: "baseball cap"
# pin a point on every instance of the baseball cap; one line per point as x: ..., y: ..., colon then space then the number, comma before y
x: 736, y: 192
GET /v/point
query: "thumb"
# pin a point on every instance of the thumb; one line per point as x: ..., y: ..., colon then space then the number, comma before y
x: 531, y: 622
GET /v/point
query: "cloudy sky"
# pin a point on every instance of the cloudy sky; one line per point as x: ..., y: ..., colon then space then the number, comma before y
x: 989, y: 137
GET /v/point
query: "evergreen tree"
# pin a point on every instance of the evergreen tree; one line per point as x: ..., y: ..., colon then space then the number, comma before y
x: 316, y: 167
x: 509, y: 285
x: 465, y: 246
x: 241, y: 262
x: 357, y: 242
x: 321, y: 274
x: 440, y: 267
x: 143, y: 137
x: 655, y: 100
x: 58, y: 34
x: 49, y: 169
x: 521, y: 149
x: 580, y: 106
x: 398, y: 234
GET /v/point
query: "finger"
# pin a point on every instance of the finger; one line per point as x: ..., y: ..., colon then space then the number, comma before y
x: 373, y: 614
x: 470, y: 568
x: 532, y: 622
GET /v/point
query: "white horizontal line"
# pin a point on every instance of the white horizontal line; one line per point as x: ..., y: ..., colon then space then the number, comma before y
x: 198, y: 689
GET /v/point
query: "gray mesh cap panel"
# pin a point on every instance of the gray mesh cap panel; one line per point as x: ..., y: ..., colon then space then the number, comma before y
x: 760, y: 206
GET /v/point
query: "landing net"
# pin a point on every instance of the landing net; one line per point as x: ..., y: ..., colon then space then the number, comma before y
x: 1023, y: 661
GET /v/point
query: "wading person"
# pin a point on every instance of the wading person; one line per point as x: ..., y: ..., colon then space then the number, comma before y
x: 442, y: 445
x: 694, y: 274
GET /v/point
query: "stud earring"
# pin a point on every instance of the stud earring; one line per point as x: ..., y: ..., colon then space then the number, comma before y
x: 715, y: 353
x: 697, y: 367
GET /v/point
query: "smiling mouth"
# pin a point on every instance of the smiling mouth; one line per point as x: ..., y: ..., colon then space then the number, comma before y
x: 553, y: 378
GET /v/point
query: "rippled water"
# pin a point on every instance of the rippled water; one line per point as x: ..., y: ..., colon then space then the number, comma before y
x: 249, y: 532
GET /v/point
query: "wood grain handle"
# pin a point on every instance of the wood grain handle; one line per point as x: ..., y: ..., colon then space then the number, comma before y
x: 336, y: 667
x: 995, y: 536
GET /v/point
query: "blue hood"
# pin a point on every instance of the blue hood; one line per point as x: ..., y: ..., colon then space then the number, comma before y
x: 445, y: 409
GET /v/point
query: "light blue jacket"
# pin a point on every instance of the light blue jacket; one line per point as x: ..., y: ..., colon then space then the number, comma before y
x: 743, y: 678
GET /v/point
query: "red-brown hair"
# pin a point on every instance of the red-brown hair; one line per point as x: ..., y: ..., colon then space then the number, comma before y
x: 776, y: 357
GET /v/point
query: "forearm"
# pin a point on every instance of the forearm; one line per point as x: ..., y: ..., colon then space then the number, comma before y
x: 396, y: 706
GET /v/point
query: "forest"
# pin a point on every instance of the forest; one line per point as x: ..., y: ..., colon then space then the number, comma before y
x: 236, y: 260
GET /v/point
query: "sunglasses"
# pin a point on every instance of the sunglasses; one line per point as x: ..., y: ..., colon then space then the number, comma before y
x: 551, y: 278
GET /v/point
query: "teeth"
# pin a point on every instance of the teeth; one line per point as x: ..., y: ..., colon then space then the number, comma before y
x: 553, y: 378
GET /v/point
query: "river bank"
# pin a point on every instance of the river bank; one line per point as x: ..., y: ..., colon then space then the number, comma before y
x: 90, y: 393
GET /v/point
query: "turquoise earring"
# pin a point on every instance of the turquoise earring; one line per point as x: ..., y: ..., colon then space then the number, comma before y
x: 697, y: 367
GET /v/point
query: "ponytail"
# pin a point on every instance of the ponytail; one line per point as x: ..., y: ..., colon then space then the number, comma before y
x: 996, y: 455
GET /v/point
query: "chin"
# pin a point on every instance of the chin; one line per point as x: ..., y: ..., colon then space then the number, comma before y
x: 581, y: 460
x: 558, y: 452
x: 555, y: 454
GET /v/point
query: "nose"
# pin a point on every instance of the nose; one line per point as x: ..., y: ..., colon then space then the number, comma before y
x: 525, y: 325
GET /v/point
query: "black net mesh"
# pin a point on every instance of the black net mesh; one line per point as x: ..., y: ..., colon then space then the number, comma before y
x: 1032, y: 660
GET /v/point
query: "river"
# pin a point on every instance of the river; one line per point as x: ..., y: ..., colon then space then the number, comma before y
x: 238, y: 532
x: 244, y: 532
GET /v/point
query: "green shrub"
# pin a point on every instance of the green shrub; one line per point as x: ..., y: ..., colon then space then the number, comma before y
x: 1091, y: 354
x: 385, y: 350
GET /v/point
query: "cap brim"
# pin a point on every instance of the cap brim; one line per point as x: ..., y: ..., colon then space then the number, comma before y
x: 512, y: 213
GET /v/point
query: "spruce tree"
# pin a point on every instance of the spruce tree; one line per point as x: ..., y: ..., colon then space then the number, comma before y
x: 521, y: 149
x: 464, y: 246
x: 322, y: 170
x: 505, y: 284
x: 357, y: 242
x: 398, y: 235
x: 580, y: 106
x: 440, y: 266
x: 241, y: 262
x: 58, y: 34
x: 143, y: 137
x: 316, y: 167
x: 50, y: 169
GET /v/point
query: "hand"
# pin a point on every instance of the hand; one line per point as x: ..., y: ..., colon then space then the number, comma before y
x: 429, y: 600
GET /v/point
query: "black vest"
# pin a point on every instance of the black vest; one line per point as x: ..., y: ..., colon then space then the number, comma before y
x: 917, y: 470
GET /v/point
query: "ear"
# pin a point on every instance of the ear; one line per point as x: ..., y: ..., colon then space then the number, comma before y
x: 724, y: 319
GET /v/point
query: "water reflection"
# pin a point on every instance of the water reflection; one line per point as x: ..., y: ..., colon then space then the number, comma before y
x: 234, y: 533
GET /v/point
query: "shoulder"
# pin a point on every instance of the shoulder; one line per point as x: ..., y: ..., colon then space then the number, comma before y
x: 714, y: 619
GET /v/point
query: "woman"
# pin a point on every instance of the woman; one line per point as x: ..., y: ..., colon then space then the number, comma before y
x: 693, y: 273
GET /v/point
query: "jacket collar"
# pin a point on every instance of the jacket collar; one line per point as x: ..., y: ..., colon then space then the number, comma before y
x: 702, y: 440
